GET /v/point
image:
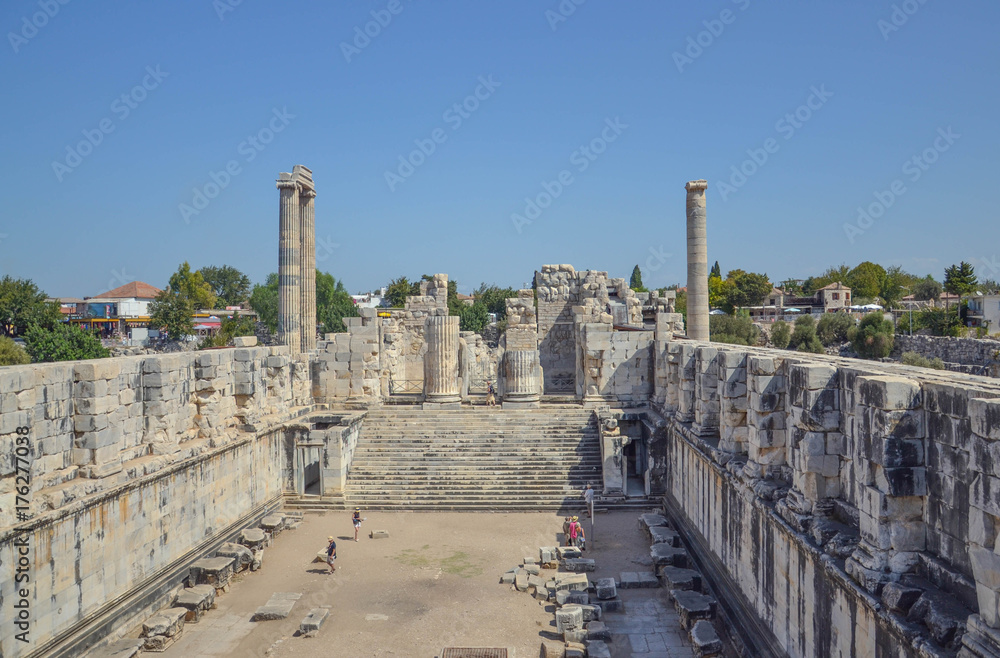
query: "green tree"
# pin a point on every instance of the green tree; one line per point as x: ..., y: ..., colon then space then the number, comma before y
x: 866, y: 280
x: 230, y: 327
x: 719, y: 292
x: 63, y: 342
x: 927, y: 289
x: 939, y: 321
x: 831, y: 275
x: 892, y: 287
x: 193, y: 287
x: 873, y: 337
x: 473, y: 318
x: 832, y: 328
x: 397, y: 291
x: 988, y: 286
x: 736, y: 329
x: 716, y: 270
x: 781, y: 334
x: 804, y: 337
x: 230, y: 286
x: 172, y: 311
x: 264, y: 300
x: 916, y: 359
x: 12, y: 354
x: 333, y: 303
x: 494, y: 298
x: 746, y: 289
x: 635, y: 281
x: 22, y: 304
x: 960, y: 279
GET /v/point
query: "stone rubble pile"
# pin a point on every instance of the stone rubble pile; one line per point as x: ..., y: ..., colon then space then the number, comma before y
x: 208, y: 578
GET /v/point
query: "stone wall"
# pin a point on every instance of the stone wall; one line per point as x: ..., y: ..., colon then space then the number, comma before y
x: 830, y: 494
x: 558, y: 290
x: 134, y: 463
x: 972, y: 352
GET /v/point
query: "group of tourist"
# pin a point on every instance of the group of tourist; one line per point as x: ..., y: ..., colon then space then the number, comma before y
x: 331, y: 547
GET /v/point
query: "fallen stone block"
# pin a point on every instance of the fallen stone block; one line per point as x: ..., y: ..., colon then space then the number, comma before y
x: 273, y: 524
x: 705, y: 640
x: 158, y: 643
x: 576, y: 581
x: 310, y: 625
x: 666, y: 555
x: 612, y: 605
x: 578, y: 635
x: 532, y: 569
x: 279, y: 606
x: 529, y: 560
x: 214, y: 571
x: 508, y: 578
x: 647, y: 521
x: 899, y: 598
x: 569, y: 618
x: 320, y: 556
x: 566, y: 552
x: 547, y: 554
x: 664, y: 535
x: 647, y: 580
x: 539, y: 593
x: 167, y: 623
x: 196, y: 600
x: 692, y: 606
x: 244, y: 341
x: 378, y: 534
x: 597, y: 648
x: 571, y: 596
x: 119, y: 649
x: 629, y: 580
x: 605, y: 588
x: 598, y: 630
x: 576, y: 650
x: 683, y: 579
x: 258, y: 559
x: 536, y: 581
x: 942, y: 614
x: 521, y: 581
x: 553, y: 649
x: 579, y: 564
x: 253, y: 538
x: 242, y: 556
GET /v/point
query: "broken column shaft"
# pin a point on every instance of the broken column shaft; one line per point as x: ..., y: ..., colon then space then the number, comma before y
x: 697, y: 253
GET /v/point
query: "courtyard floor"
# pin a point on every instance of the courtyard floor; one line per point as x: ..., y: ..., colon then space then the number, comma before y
x: 432, y: 584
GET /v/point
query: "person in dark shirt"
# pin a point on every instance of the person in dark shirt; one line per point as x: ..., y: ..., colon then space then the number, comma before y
x: 331, y: 554
x: 356, y: 520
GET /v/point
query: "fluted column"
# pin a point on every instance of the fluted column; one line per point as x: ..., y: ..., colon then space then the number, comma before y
x: 441, y: 359
x: 289, y: 267
x: 697, y: 252
x: 521, y: 376
x: 307, y: 270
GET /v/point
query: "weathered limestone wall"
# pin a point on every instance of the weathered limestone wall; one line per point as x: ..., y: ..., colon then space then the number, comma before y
x: 558, y: 289
x: 341, y: 438
x: 134, y: 462
x: 835, y: 494
x: 348, y: 365
x: 973, y: 353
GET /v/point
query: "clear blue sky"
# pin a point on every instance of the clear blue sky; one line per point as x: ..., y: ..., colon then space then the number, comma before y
x: 116, y: 213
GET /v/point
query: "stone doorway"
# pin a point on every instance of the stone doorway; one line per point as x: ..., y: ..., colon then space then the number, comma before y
x: 308, y: 474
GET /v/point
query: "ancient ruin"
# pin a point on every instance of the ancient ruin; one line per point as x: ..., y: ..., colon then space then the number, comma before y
x: 815, y: 505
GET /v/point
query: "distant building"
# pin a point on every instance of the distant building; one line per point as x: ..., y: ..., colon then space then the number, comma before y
x: 132, y: 299
x: 371, y: 299
x: 777, y: 305
x: 984, y: 311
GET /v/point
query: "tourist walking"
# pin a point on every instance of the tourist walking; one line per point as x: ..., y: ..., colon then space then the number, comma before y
x: 356, y: 520
x: 588, y: 498
x: 565, y: 536
x: 491, y: 395
x: 574, y: 530
x: 331, y: 554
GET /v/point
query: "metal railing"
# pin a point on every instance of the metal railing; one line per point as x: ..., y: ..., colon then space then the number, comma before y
x: 406, y: 386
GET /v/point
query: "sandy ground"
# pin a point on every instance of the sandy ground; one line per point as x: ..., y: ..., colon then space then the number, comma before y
x: 432, y: 584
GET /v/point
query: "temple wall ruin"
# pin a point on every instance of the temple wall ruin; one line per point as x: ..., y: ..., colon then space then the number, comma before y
x: 135, y: 463
x: 851, y: 506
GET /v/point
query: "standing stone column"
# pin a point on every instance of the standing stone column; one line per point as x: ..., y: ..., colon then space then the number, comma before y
x: 289, y: 266
x: 697, y: 248
x: 307, y: 270
x: 441, y: 360
x: 522, y: 384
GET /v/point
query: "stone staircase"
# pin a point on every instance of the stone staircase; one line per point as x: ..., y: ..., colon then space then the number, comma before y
x: 475, y: 459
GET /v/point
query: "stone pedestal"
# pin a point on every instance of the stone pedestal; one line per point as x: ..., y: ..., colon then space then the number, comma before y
x: 441, y: 360
x: 522, y: 378
x: 289, y: 290
x: 697, y: 253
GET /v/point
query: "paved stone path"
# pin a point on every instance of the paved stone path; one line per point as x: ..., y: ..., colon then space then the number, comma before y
x: 649, y: 627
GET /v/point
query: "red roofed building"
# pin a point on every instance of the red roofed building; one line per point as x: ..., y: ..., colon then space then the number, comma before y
x: 132, y: 299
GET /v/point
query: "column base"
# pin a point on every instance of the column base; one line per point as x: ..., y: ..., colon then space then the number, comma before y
x: 520, y: 404
x: 442, y: 406
x: 979, y: 641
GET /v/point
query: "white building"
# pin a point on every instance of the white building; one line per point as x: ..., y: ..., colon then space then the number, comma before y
x: 984, y: 311
x: 132, y: 299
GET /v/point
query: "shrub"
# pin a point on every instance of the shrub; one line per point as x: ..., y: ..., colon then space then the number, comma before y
x: 873, y: 337
x: 12, y: 354
x: 733, y: 329
x: 833, y: 327
x: 781, y: 334
x: 914, y: 359
x: 62, y: 343
x: 804, y: 337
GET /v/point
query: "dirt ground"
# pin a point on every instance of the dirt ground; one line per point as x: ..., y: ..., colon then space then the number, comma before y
x: 433, y: 583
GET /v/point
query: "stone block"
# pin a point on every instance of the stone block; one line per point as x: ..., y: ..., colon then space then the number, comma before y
x: 680, y: 579
x: 508, y: 577
x: 598, y: 630
x: 812, y: 376
x: 647, y: 580
x: 534, y: 569
x: 612, y: 605
x: 902, y: 481
x: 664, y: 535
x: 666, y: 555
x: 312, y: 622
x: 705, y: 639
x: 547, y: 554
x: 942, y: 614
x: 579, y: 565
x: 899, y: 598
x: 215, y: 571
x: 253, y: 538
x: 647, y: 521
x: 244, y: 341
x: 569, y: 552
x: 279, y: 606
x: 985, y: 416
x: 578, y: 582
x: 692, y: 606
x: 629, y: 580
x: 887, y: 392
x: 553, y: 649
x: 378, y: 534
x: 199, y: 597
x: 605, y: 588
x: 128, y: 648
x: 167, y: 622
x: 242, y: 556
x: 569, y: 618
